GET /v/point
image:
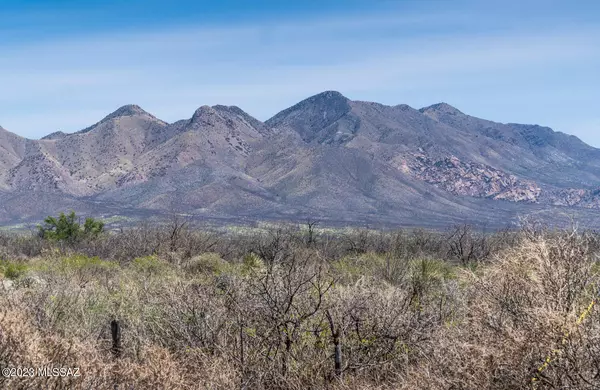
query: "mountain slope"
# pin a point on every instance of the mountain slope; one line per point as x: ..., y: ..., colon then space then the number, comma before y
x: 327, y: 157
x: 219, y: 138
x: 530, y: 151
x: 12, y: 150
x: 447, y: 148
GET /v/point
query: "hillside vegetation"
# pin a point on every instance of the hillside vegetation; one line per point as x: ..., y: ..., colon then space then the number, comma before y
x: 299, y: 308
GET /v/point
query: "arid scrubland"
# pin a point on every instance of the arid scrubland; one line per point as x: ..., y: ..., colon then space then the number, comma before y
x: 296, y: 308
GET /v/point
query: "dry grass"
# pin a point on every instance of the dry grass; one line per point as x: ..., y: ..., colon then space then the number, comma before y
x: 404, y: 310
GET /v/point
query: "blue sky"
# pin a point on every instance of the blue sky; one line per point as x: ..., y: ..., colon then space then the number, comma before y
x: 66, y: 64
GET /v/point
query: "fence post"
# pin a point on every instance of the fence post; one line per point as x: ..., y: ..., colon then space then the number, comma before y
x: 115, y: 329
x: 337, y: 356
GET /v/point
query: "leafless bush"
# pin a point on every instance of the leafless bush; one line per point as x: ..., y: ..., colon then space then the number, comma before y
x: 358, y: 310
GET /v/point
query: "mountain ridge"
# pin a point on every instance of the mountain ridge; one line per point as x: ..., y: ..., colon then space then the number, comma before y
x: 326, y: 156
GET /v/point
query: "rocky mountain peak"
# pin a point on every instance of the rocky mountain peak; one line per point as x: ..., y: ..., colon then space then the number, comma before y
x: 125, y: 111
x: 332, y: 99
x: 325, y: 104
x: 130, y: 110
x: 237, y: 114
x: 312, y: 114
x: 403, y: 107
x: 333, y: 95
x: 204, y: 113
x: 223, y: 108
x: 441, y: 108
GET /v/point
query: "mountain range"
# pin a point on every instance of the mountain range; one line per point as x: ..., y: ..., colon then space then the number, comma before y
x: 327, y: 158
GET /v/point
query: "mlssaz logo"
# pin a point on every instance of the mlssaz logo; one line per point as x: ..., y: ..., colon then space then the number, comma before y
x: 50, y: 371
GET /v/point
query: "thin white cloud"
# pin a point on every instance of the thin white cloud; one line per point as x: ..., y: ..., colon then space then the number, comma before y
x: 64, y: 84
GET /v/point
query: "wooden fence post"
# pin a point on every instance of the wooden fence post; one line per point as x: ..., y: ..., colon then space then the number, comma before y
x: 337, y: 346
x: 337, y: 355
x: 115, y: 329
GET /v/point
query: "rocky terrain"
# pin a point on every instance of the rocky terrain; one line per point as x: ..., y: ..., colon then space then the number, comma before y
x: 471, y: 179
x: 326, y: 157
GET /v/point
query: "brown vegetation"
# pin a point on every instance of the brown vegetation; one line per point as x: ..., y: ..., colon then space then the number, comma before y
x: 299, y: 308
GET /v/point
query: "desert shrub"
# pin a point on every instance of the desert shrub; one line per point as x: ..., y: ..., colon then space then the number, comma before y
x: 252, y: 261
x: 467, y: 246
x: 353, y: 267
x: 13, y: 270
x: 67, y: 228
x: 81, y: 268
x: 428, y: 275
x: 207, y: 263
x: 520, y: 309
x: 149, y: 265
x: 356, y: 310
x: 78, y: 262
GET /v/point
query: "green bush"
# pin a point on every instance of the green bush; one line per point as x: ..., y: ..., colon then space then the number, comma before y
x: 252, y: 262
x: 351, y: 268
x: 66, y: 228
x: 432, y: 270
x: 12, y: 270
x: 80, y: 262
x: 207, y: 263
x: 151, y: 265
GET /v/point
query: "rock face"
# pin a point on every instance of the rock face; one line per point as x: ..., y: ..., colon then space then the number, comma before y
x: 326, y: 157
x: 472, y: 179
x: 574, y: 197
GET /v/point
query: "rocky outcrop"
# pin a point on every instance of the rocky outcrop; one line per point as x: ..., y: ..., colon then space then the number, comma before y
x: 470, y: 179
x: 574, y: 197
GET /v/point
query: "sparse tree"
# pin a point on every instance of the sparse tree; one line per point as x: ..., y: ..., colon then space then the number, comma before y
x: 67, y: 228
